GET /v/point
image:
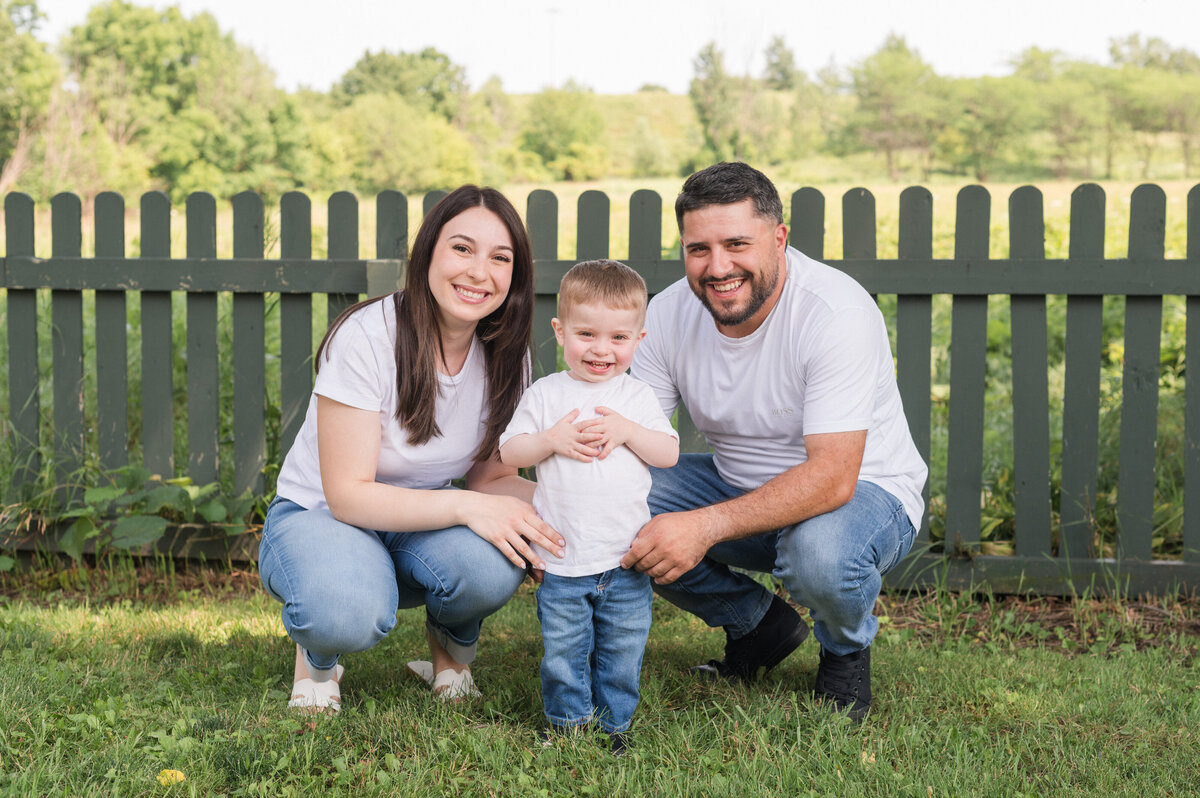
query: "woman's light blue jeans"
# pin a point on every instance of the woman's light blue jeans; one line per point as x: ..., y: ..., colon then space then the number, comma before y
x: 832, y: 563
x: 341, y: 585
x: 594, y: 630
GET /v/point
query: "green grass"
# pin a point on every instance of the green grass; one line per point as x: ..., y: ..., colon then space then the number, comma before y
x: 974, y: 696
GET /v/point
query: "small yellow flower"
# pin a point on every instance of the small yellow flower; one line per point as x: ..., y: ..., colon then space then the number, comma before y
x: 168, y: 777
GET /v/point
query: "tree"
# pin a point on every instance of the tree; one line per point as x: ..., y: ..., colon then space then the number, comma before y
x: 1069, y: 112
x: 1141, y: 100
x: 1152, y: 53
x: 898, y: 101
x: 992, y: 115
x: 1038, y: 65
x: 565, y: 128
x: 781, y: 73
x: 392, y: 144
x: 202, y: 108
x: 428, y: 79
x: 715, y: 96
x: 28, y: 74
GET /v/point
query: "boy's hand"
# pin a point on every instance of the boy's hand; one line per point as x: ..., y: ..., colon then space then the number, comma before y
x: 570, y: 440
x: 612, y: 430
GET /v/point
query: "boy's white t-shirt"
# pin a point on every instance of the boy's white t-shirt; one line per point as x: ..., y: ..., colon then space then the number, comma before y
x: 358, y: 368
x: 598, y: 507
x: 820, y: 362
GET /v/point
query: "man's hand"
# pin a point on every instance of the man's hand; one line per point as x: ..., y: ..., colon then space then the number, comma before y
x: 670, y: 545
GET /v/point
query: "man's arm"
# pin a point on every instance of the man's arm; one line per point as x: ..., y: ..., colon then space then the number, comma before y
x: 671, y: 544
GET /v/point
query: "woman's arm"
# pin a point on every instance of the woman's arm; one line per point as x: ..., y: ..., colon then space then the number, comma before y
x: 495, y: 506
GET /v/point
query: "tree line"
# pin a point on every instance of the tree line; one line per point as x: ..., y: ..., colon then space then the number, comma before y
x: 137, y: 98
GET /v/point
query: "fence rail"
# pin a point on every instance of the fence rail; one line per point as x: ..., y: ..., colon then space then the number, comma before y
x: 1049, y: 557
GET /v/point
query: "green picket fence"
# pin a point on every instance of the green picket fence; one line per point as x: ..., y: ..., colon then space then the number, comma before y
x: 1054, y: 547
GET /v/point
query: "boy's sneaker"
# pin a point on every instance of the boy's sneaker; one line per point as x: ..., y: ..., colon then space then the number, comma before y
x: 619, y: 743
x: 778, y: 634
x: 845, y: 682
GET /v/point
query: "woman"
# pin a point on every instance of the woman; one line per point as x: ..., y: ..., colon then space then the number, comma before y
x: 412, y: 391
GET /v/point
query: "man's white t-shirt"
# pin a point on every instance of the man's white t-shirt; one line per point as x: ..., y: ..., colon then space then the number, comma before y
x: 820, y: 362
x: 358, y: 368
x: 598, y: 507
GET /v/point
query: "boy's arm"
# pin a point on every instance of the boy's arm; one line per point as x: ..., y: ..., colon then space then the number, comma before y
x: 655, y: 448
x: 529, y: 449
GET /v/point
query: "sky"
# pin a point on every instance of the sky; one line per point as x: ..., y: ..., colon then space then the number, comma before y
x: 616, y: 46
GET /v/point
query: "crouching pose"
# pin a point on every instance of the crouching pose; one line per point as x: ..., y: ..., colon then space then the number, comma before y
x: 784, y: 365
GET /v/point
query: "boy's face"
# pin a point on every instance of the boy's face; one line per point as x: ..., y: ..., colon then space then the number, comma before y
x: 598, y: 341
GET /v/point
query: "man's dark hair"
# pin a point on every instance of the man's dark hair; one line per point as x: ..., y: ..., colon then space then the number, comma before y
x: 726, y: 183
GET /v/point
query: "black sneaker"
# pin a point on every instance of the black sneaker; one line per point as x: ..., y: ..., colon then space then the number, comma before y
x: 845, y: 682
x: 619, y: 744
x: 778, y: 634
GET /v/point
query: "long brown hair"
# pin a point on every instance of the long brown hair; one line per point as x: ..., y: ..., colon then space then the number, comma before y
x: 505, y: 333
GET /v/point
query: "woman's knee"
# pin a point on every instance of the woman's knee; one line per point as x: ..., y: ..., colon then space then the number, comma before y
x: 340, y: 622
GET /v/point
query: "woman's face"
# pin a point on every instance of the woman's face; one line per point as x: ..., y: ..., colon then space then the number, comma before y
x: 471, y: 268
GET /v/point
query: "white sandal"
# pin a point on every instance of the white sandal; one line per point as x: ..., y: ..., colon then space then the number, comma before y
x: 447, y: 685
x: 318, y: 696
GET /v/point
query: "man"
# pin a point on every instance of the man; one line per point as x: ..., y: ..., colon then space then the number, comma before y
x: 784, y: 365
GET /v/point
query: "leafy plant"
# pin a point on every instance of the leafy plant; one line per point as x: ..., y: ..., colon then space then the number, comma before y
x: 135, y: 509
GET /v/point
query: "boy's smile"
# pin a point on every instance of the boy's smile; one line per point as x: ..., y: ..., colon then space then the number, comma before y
x: 598, y: 341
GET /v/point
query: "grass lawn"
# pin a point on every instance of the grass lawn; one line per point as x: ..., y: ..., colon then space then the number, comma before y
x: 974, y: 696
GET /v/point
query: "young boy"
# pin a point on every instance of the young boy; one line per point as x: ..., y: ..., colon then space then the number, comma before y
x: 592, y: 431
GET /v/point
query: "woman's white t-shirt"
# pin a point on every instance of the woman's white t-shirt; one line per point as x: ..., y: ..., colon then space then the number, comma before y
x: 358, y: 368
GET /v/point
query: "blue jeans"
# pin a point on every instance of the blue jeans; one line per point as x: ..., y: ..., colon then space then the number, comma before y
x: 832, y: 563
x: 341, y: 585
x: 594, y: 631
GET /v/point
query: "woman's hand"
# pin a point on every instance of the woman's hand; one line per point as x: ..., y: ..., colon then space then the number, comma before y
x: 497, y: 508
x: 510, y: 524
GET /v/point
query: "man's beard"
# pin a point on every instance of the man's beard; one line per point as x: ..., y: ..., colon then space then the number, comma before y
x: 760, y: 292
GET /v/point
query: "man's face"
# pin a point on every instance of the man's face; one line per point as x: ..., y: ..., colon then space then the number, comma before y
x: 733, y: 259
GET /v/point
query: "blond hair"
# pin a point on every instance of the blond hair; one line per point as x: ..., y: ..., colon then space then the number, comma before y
x: 606, y: 282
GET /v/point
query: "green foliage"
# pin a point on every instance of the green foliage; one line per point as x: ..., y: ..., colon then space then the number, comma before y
x: 564, y: 127
x: 781, y: 73
x: 900, y: 101
x: 134, y: 509
x: 428, y: 80
x: 27, y: 76
x: 199, y: 111
x: 984, y: 115
x: 386, y: 143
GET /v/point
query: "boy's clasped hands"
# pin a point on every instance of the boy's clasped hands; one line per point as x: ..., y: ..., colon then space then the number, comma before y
x: 591, y: 438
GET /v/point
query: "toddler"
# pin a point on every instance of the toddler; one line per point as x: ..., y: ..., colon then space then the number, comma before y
x: 593, y: 431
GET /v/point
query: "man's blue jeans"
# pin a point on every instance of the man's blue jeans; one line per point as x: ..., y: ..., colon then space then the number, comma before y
x: 832, y: 563
x: 594, y: 631
x: 341, y: 585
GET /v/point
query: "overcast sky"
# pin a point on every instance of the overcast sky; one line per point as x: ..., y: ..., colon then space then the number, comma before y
x: 615, y: 46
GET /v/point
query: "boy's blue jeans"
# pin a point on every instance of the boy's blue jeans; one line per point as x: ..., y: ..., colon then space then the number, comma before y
x: 341, y: 585
x: 832, y: 563
x: 594, y: 631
